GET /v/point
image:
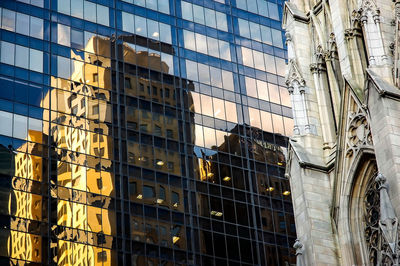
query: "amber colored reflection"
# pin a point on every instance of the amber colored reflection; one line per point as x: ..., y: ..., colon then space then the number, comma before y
x: 24, y: 205
x: 158, y: 232
x: 81, y: 114
x: 260, y: 150
x: 164, y: 125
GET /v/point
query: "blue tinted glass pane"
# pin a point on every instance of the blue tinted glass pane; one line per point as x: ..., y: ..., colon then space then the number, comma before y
x: 21, y: 92
x: 103, y: 15
x: 8, y: 20
x: 36, y: 60
x: 163, y: 6
x: 6, y: 123
x: 7, y: 53
x: 22, y: 24
x: 273, y: 11
x: 21, y: 56
x: 35, y: 96
x: 187, y: 11
x: 36, y: 29
x: 64, y: 6
x: 90, y: 11
x: 77, y: 8
x: 7, y: 89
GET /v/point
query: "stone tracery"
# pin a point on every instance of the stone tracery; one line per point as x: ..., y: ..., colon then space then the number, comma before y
x: 381, y: 226
x: 358, y: 129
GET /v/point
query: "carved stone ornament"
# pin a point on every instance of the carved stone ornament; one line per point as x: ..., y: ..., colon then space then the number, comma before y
x: 294, y: 75
x: 381, y: 224
x: 298, y: 246
x: 369, y: 6
x: 388, y: 220
x: 358, y: 130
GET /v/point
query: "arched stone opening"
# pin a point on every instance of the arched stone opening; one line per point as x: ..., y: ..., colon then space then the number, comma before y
x: 364, y: 178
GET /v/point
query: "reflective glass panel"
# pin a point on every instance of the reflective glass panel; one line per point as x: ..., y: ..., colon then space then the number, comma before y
x: 21, y: 56
x: 22, y: 26
x: 35, y: 60
x: 8, y: 20
x: 36, y: 29
x: 7, y: 53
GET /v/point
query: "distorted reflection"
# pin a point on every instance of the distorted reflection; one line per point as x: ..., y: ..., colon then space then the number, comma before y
x: 162, y: 128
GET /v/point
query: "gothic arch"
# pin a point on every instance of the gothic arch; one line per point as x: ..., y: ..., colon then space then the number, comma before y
x: 363, y: 176
x: 351, y: 217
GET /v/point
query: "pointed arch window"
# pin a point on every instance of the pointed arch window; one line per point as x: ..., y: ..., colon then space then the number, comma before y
x: 381, y: 225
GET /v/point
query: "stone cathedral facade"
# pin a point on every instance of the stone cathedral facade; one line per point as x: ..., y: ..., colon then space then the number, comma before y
x: 344, y: 157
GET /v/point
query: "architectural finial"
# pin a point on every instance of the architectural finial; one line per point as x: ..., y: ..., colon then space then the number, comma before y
x: 388, y: 221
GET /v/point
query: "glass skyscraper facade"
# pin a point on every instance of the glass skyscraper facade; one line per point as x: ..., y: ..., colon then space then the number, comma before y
x: 144, y: 132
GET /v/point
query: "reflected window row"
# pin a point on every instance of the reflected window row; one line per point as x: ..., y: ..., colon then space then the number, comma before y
x: 159, y: 159
x: 22, y: 92
x: 271, y: 221
x: 270, y: 122
x: 155, y: 123
x: 146, y: 27
x: 21, y: 56
x: 72, y: 253
x: 261, y: 33
x: 147, y: 58
x: 261, y: 7
x: 79, y: 71
x: 158, y: 5
x: 217, y: 169
x: 262, y: 61
x: 23, y: 246
x: 86, y: 10
x: 85, y: 217
x: 212, y: 138
x: 214, y: 107
x: 19, y: 126
x: 21, y: 23
x: 204, y: 16
x: 267, y: 91
x: 207, y: 45
x: 149, y: 193
x: 209, y: 75
x: 158, y: 233
x: 79, y: 108
x: 79, y: 156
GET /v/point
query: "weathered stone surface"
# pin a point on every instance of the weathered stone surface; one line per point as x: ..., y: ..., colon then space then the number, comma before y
x: 346, y: 106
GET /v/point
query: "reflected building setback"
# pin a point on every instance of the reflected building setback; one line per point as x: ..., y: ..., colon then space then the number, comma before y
x: 83, y: 185
x: 144, y: 133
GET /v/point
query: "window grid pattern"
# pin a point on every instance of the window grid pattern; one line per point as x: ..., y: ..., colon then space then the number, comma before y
x: 137, y: 149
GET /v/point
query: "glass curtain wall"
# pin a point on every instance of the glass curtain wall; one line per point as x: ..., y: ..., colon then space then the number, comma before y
x: 144, y: 132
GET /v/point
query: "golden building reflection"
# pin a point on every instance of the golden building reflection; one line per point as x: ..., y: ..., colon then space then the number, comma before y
x: 24, y: 204
x: 84, y: 139
x: 81, y: 115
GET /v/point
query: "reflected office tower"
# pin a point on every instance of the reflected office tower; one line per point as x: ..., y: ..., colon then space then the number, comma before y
x: 83, y: 184
x: 142, y: 132
x: 24, y: 205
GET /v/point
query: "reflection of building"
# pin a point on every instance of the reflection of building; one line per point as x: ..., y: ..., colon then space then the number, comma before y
x: 84, y: 182
x: 343, y: 158
x: 163, y: 158
x: 24, y: 204
x: 133, y: 133
x: 213, y: 169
